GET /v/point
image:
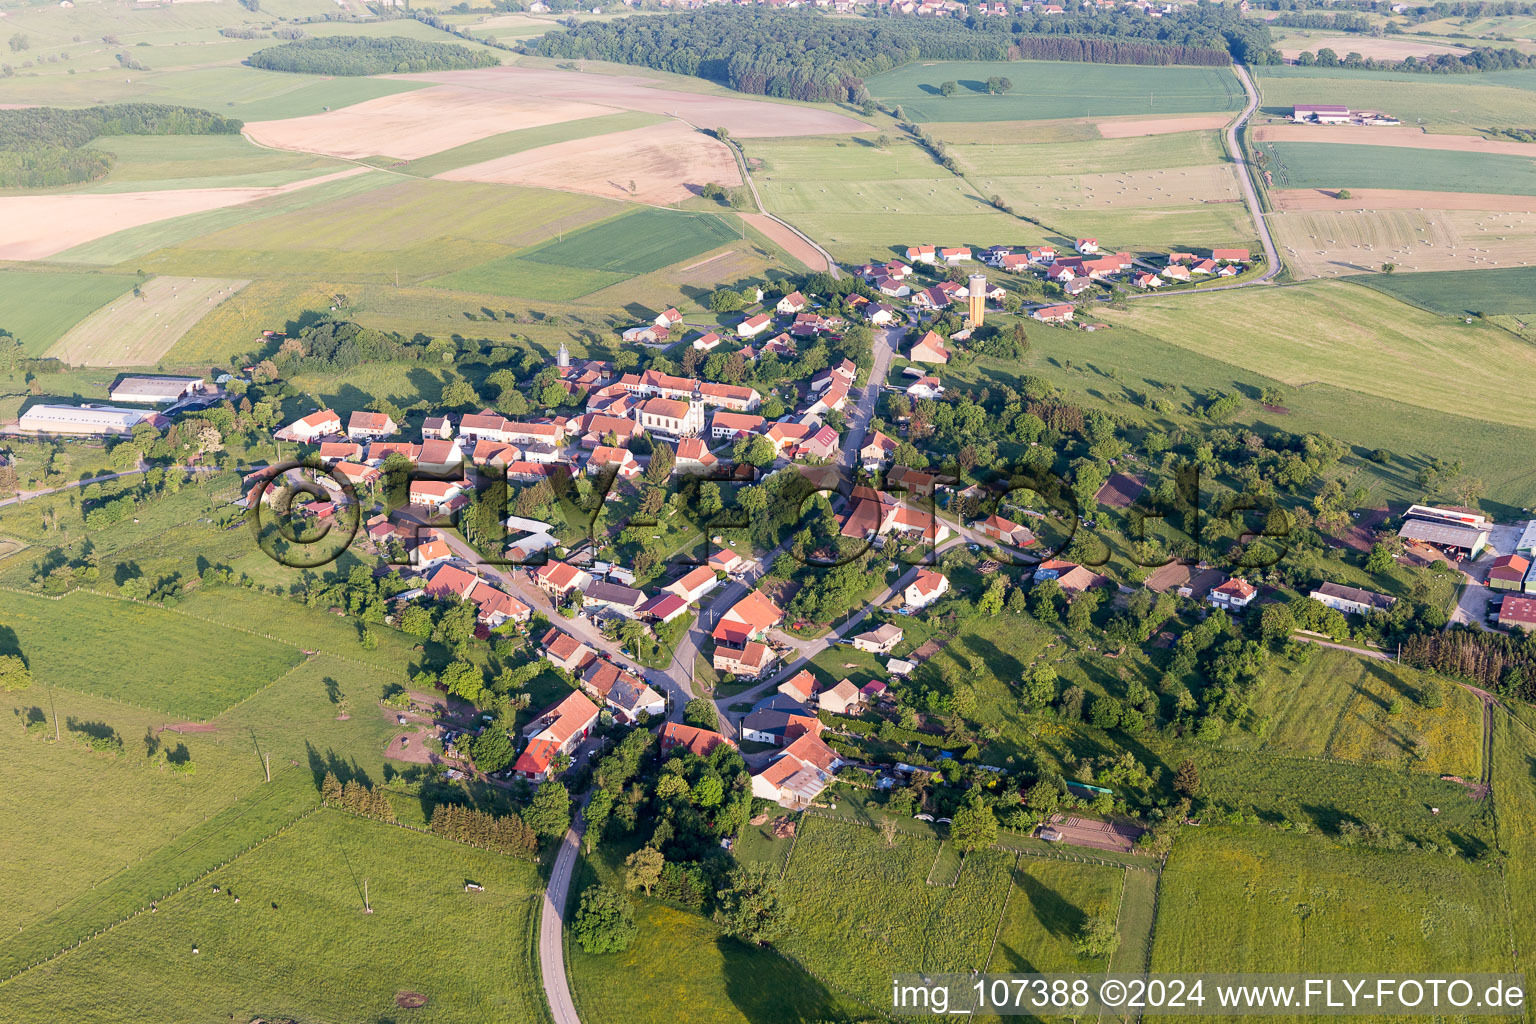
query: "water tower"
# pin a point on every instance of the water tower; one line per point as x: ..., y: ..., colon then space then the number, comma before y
x: 977, y: 302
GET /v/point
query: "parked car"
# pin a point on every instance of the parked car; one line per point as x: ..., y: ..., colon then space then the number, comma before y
x: 1050, y: 835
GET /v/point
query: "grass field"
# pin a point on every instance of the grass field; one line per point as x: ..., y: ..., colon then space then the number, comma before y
x: 1337, y: 706
x: 1258, y: 900
x: 1456, y: 293
x: 1047, y: 906
x: 1334, y: 165
x: 138, y: 331
x: 1458, y: 102
x: 1101, y: 156
x: 1426, y: 243
x: 636, y: 243
x: 507, y: 143
x: 1514, y: 752
x: 299, y: 945
x: 526, y: 278
x: 1046, y: 89
x: 1345, y: 336
x: 39, y: 308
x: 153, y: 162
x: 159, y: 659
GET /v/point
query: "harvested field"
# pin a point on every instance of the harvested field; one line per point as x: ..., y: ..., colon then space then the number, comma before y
x: 415, y: 124
x: 744, y: 118
x: 37, y: 227
x: 659, y: 164
x: 1126, y: 127
x: 1397, y: 199
x: 138, y: 331
x: 1390, y: 48
x: 1320, y: 165
x: 786, y: 239
x: 1340, y: 242
x: 1162, y: 188
x: 1386, y: 135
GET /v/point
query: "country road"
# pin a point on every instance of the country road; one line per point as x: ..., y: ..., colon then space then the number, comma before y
x: 1245, y: 175
x: 557, y: 988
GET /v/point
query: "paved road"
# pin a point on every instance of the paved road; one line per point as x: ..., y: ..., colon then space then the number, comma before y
x: 557, y: 989
x: 29, y: 495
x: 1245, y: 176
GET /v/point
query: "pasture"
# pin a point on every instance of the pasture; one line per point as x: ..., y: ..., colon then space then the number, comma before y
x: 159, y: 659
x: 1045, y: 912
x: 636, y: 243
x: 524, y: 278
x: 155, y: 162
x: 138, y: 331
x: 1506, y: 290
x: 299, y: 945
x: 1100, y: 156
x: 1346, y: 336
x: 1065, y: 129
x: 38, y: 308
x: 1263, y: 900
x: 1459, y: 103
x: 1052, y: 89
x: 1329, y: 165
x: 1356, y: 709
x: 1330, y: 243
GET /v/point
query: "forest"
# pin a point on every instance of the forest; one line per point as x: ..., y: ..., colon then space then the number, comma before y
x: 359, y: 55
x: 806, y: 56
x: 46, y: 146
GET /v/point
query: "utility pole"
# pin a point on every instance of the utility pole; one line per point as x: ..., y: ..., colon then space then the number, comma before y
x: 55, y: 711
x: 266, y: 761
x: 367, y: 907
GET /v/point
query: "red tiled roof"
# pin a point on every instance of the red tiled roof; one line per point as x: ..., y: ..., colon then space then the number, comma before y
x: 695, y: 740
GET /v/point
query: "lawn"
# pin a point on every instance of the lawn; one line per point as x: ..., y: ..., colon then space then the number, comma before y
x: 1339, y: 706
x: 1261, y: 900
x: 39, y: 307
x: 1461, y: 292
x: 298, y: 944
x: 140, y: 654
x: 1334, y: 165
x: 635, y: 243
x: 1454, y: 102
x: 1342, y: 335
x: 865, y: 910
x: 1054, y: 89
x: 1047, y: 907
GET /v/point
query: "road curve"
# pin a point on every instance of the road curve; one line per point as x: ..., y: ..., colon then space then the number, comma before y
x: 557, y: 990
x: 1245, y: 174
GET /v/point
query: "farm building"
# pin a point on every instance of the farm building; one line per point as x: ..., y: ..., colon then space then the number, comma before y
x: 1351, y: 600
x: 91, y: 420
x: 1518, y: 613
x: 1508, y: 572
x: 1320, y: 113
x: 1450, y: 537
x: 155, y: 390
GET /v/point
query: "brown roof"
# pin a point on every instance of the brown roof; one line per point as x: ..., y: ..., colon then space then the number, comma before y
x: 696, y: 740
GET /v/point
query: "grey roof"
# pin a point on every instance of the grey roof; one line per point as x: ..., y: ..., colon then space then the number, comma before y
x: 1369, y: 598
x: 772, y: 714
x: 1447, y: 534
x: 613, y: 593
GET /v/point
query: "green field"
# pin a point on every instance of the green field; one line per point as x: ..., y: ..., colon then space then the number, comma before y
x: 1053, y: 89
x: 157, y: 659
x: 39, y: 308
x: 1344, y: 336
x: 1454, y: 102
x: 526, y: 278
x: 299, y: 945
x: 636, y: 243
x: 152, y: 162
x: 507, y: 143
x: 1461, y: 292
x: 1262, y: 900
x: 1046, y: 908
x: 1332, y: 165
x: 1138, y: 153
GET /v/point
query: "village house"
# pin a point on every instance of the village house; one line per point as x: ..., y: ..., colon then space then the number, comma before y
x: 1146, y: 281
x: 614, y: 597
x: 692, y: 587
x: 879, y: 641
x: 645, y: 334
x: 1005, y: 530
x: 439, y: 456
x: 842, y: 699
x: 929, y: 349
x: 748, y: 661
x: 693, y: 456
x: 564, y: 651
x: 779, y: 720
x: 370, y: 426
x: 557, y: 731
x: 1175, y: 272
x: 752, y: 326
x: 662, y: 608
x: 496, y: 606
x: 801, y: 686
x: 727, y: 561
x: 707, y: 342
x: 309, y: 429
x: 668, y: 318
x: 1087, y: 246
x: 798, y: 775
x: 439, y: 496
x: 1233, y: 595
x: 559, y: 580
x: 1351, y: 600
x: 922, y: 254
x: 436, y: 428
x: 790, y: 304
x: 748, y: 619
x: 925, y: 387
x: 878, y: 447
x: 332, y: 452
x: 620, y: 460
x: 956, y: 255
x: 691, y: 738
x: 632, y: 701
x: 1057, y: 314
x: 601, y: 675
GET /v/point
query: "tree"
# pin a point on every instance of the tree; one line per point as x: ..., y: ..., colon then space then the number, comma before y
x: 1387, y: 268
x: 605, y: 922
x: 459, y: 394
x: 751, y: 906
x: 1105, y: 712
x: 550, y: 812
x: 1187, y: 779
x: 974, y: 827
x: 1431, y: 694
x: 643, y: 869
x: 1040, y: 685
x: 949, y: 89
x: 1343, y: 193
x: 701, y: 712
x: 997, y: 85
x: 1381, y: 559
x: 493, y: 750
x: 330, y: 790
x: 14, y: 674
x: 1098, y: 936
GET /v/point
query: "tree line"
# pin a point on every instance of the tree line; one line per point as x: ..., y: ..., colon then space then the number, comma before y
x: 1483, y: 58
x: 806, y: 56
x: 362, y: 55
x: 47, y: 146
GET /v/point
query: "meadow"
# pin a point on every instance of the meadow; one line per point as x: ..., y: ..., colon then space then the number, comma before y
x: 1344, y: 336
x: 157, y: 659
x: 1514, y: 753
x: 154, y: 162
x: 1462, y: 103
x: 38, y: 307
x: 1335, y: 165
x: 297, y: 944
x: 1461, y: 292
x: 1052, y: 89
x: 636, y: 243
x: 1045, y: 912
x: 1098, y: 156
x: 138, y: 331
x: 1250, y: 899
